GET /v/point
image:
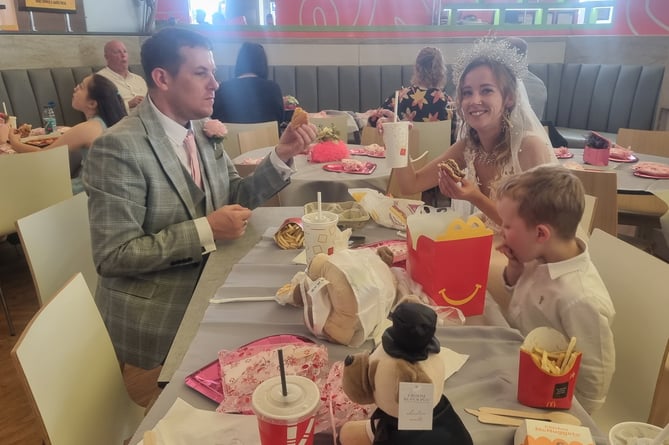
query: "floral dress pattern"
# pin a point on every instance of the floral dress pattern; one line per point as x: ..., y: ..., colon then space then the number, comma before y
x: 418, y: 104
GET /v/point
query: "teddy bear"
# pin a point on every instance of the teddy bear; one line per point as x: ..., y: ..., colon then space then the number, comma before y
x: 345, y: 295
x: 409, y: 352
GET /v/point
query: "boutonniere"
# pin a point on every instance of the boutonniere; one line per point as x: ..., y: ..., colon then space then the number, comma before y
x: 215, y: 130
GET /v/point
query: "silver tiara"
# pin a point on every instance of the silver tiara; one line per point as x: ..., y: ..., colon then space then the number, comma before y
x: 492, y: 49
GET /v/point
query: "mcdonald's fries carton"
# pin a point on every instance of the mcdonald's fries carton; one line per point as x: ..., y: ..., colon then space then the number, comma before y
x: 538, y: 432
x: 449, y: 258
x: 549, y: 364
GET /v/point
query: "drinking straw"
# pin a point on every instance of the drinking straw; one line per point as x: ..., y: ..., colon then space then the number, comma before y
x: 4, y: 108
x: 282, y: 371
x: 320, y: 208
x: 397, y: 98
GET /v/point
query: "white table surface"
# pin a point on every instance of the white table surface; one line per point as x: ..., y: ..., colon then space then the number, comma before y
x: 487, y: 379
x: 310, y: 178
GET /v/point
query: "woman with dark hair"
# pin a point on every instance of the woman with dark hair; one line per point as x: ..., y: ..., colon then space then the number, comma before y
x: 250, y: 97
x: 96, y: 97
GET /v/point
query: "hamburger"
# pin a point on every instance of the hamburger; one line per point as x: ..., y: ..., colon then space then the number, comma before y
x: 300, y: 117
x: 453, y: 169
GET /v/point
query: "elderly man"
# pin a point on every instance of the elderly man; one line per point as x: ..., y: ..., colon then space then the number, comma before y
x: 162, y: 191
x: 131, y: 87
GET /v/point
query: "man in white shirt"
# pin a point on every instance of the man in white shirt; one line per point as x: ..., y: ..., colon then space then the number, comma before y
x: 131, y: 87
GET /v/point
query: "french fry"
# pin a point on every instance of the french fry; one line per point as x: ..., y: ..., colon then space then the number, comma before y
x: 568, y: 353
x: 554, y: 362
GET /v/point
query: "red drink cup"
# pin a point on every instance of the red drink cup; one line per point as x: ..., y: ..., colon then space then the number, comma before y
x: 286, y: 420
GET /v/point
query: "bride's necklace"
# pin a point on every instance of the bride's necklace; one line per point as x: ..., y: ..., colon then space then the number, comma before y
x: 486, y: 157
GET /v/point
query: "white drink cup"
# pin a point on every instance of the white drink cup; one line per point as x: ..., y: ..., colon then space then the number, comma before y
x: 625, y: 432
x: 286, y: 420
x: 396, y: 140
x: 11, y: 120
x: 4, y: 133
x: 320, y: 233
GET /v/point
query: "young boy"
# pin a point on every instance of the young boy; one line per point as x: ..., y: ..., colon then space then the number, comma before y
x: 553, y: 280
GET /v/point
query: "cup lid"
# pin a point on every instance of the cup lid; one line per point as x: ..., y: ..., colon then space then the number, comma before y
x: 302, y: 399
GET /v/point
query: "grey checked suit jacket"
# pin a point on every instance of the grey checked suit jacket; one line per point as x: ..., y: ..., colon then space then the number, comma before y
x: 145, y: 246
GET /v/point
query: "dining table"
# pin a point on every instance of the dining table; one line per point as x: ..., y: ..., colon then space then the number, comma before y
x: 310, y: 177
x: 232, y: 305
x: 644, y: 195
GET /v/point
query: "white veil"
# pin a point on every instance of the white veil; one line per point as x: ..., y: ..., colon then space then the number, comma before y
x: 523, y: 123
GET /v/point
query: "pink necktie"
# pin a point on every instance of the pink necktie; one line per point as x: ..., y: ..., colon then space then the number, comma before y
x: 191, y: 149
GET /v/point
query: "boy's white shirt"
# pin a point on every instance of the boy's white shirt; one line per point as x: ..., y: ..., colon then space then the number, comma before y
x: 571, y: 297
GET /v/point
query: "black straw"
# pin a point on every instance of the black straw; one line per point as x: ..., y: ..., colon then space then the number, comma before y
x: 282, y: 371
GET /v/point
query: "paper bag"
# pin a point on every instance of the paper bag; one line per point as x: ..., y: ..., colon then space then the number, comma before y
x: 452, y: 263
x: 386, y: 211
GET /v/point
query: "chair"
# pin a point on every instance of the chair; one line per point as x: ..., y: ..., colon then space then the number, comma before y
x: 644, y: 141
x: 30, y: 182
x: 642, y: 212
x: 257, y: 138
x: 68, y: 366
x: 640, y: 328
x: 435, y: 137
x: 393, y: 184
x: 604, y: 186
x: 588, y: 219
x: 231, y: 142
x: 57, y: 244
x: 659, y: 408
x: 338, y: 121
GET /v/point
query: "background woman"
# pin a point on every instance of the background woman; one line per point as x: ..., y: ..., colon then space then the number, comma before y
x: 500, y: 135
x: 250, y: 97
x: 96, y: 97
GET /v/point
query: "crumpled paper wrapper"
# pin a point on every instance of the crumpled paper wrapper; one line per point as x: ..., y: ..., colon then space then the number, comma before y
x: 386, y: 211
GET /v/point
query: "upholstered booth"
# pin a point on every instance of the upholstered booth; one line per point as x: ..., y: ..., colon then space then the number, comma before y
x: 581, y: 97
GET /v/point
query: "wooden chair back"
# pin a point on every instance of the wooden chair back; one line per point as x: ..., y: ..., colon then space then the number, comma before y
x: 435, y: 137
x: 63, y: 343
x: 644, y: 141
x: 659, y: 408
x: 231, y: 142
x: 604, y: 186
x: 640, y: 326
x: 394, y: 188
x: 257, y: 138
x: 588, y: 219
x: 57, y: 245
x: 30, y: 182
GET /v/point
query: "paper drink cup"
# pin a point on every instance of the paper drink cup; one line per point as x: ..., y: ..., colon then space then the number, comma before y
x: 396, y: 140
x: 320, y: 233
x: 11, y: 120
x: 625, y: 432
x: 4, y: 133
x: 286, y: 420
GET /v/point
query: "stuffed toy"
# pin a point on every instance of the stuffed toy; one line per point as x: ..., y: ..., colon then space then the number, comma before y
x: 345, y: 295
x: 409, y: 352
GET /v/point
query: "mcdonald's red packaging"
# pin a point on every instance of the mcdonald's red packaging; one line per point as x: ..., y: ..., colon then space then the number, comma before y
x: 548, y: 369
x: 449, y: 258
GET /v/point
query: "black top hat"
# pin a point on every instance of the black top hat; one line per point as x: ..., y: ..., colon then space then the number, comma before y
x: 411, y: 337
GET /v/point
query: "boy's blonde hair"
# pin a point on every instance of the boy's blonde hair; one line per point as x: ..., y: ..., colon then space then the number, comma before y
x: 547, y: 194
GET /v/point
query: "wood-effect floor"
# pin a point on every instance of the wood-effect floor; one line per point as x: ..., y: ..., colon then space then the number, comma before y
x: 18, y: 423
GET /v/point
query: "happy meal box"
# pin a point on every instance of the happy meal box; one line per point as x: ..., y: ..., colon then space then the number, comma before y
x: 537, y: 432
x: 548, y: 369
x: 450, y: 258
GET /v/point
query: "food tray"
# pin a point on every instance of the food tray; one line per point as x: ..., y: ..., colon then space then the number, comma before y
x: 351, y: 214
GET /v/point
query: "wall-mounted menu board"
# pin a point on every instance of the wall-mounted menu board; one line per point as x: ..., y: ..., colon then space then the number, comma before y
x: 66, y: 6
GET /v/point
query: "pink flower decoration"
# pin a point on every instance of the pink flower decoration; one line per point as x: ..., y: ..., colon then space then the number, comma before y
x: 215, y: 130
